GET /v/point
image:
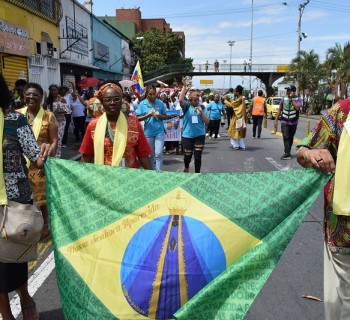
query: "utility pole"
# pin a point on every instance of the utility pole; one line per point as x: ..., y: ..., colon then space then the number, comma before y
x: 301, y: 11
x: 251, y: 49
x: 230, y: 43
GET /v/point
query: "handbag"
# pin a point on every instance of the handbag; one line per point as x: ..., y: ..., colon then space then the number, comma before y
x: 240, y: 124
x: 20, y: 231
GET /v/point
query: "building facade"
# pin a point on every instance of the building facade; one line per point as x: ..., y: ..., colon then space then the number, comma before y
x: 130, y: 22
x: 75, y: 43
x: 111, y: 52
x: 29, y: 41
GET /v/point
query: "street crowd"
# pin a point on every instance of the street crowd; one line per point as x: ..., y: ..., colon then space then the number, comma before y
x: 125, y: 128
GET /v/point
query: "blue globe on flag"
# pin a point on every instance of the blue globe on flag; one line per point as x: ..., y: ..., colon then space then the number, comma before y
x: 172, y: 264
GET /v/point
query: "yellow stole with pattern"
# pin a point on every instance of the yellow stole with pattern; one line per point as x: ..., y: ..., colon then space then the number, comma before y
x: 119, y: 143
x: 37, y: 123
x: 3, y: 194
x: 341, y: 193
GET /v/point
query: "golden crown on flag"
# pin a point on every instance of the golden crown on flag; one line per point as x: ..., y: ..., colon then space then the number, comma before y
x: 178, y: 205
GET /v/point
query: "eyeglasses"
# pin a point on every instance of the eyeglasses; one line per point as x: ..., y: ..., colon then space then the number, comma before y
x: 34, y: 94
x: 112, y: 99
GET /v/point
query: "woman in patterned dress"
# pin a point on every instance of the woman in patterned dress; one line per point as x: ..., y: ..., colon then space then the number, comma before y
x: 46, y: 132
x: 136, y: 147
x: 18, y: 139
x: 59, y: 107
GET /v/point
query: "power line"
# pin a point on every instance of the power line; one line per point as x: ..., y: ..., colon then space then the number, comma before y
x: 224, y: 12
x: 241, y: 40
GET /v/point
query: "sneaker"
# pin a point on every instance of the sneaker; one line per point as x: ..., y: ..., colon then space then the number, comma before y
x: 167, y: 152
x: 240, y: 148
x: 172, y: 151
x: 286, y: 156
x: 254, y: 137
x: 207, y: 134
x: 218, y: 136
x: 213, y: 136
x: 186, y: 169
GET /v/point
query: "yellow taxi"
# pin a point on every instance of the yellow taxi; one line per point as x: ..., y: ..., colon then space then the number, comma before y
x: 272, y: 105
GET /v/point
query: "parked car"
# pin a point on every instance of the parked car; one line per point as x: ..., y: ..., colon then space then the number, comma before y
x: 272, y: 105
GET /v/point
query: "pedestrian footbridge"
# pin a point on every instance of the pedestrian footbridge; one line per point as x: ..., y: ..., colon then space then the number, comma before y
x: 267, y: 73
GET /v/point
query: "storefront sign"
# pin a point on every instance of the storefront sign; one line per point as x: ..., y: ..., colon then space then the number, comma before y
x: 14, y: 39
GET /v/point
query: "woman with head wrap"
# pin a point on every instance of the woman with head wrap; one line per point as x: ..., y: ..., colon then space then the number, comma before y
x: 114, y: 138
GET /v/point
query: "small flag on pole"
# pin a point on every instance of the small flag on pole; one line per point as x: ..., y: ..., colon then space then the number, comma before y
x: 137, y: 88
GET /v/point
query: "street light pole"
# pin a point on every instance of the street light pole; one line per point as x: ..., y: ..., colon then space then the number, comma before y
x: 230, y: 43
x: 301, y: 11
x: 224, y: 61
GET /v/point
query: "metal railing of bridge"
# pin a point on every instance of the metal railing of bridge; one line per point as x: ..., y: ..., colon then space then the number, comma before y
x: 172, y: 68
x: 241, y: 68
x: 177, y: 69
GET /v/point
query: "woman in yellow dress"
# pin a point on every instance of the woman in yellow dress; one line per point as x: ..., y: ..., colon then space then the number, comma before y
x: 239, y: 108
x: 45, y: 129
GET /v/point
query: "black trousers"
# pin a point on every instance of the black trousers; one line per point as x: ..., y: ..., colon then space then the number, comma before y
x: 79, y: 127
x: 65, y: 135
x: 257, y: 122
x: 193, y: 146
x: 214, y: 126
x: 229, y: 115
x: 288, y: 132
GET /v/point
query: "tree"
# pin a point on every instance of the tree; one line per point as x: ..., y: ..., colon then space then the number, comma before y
x: 338, y: 64
x: 306, y: 68
x: 156, y: 48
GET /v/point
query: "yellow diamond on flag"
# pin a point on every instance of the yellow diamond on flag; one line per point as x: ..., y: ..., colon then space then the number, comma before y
x: 157, y: 254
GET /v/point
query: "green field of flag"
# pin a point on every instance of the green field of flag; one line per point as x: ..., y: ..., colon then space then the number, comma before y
x: 138, y: 244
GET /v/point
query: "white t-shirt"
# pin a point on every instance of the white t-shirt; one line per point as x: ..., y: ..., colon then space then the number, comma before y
x: 78, y: 108
x: 68, y: 98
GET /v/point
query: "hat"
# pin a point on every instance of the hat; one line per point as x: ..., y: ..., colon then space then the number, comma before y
x: 292, y: 87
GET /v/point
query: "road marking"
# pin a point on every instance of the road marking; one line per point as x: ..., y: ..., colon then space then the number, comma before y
x: 281, y: 135
x: 249, y: 164
x: 34, y: 282
x: 42, y: 247
x: 280, y: 167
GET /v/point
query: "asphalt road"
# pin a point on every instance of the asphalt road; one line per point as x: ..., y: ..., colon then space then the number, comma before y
x: 300, y: 270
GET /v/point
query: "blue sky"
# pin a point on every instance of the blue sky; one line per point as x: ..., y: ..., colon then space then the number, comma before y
x: 209, y: 25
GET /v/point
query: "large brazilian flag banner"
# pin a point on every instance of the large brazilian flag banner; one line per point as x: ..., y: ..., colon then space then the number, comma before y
x: 137, y: 244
